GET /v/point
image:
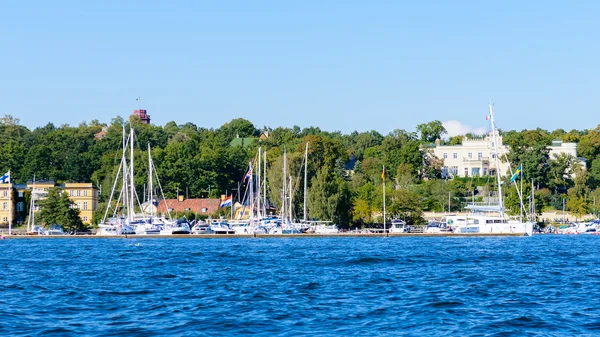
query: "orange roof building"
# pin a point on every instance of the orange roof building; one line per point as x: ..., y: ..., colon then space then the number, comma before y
x: 198, y: 206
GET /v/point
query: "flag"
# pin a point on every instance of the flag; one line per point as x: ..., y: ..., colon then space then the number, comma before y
x: 248, y: 175
x: 226, y: 202
x: 138, y: 99
x: 517, y: 172
x: 383, y: 173
x: 5, y: 178
x: 487, y: 117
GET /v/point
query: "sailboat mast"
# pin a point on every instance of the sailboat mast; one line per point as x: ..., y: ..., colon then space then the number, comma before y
x: 264, y: 194
x: 131, y: 184
x: 251, y: 195
x: 283, y: 187
x: 305, y: 214
x: 290, y: 202
x: 497, y: 161
x: 124, y: 161
x: 258, y: 187
x: 31, y: 220
x: 150, y: 201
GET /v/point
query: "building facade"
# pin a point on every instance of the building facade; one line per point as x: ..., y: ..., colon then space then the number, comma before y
x: 84, y: 197
x: 142, y: 114
x: 476, y: 157
x: 15, y: 199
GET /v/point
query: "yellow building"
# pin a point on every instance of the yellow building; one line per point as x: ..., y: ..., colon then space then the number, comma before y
x: 13, y: 206
x: 84, y: 197
x: 7, y: 204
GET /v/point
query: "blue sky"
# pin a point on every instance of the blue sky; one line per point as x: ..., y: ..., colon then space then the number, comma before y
x: 339, y: 65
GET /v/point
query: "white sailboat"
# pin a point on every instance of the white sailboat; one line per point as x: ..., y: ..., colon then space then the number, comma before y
x: 32, y: 228
x: 119, y: 224
x: 490, y: 219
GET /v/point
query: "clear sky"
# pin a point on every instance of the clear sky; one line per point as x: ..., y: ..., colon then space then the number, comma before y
x: 340, y: 65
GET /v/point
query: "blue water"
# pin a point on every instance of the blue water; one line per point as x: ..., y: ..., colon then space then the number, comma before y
x: 544, y: 285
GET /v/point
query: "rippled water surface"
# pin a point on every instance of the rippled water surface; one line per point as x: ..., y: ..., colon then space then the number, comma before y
x: 544, y: 285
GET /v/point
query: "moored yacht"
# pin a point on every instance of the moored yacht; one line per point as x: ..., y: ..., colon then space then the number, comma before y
x: 55, y: 230
x: 490, y: 219
x: 181, y: 226
x: 202, y: 227
x: 221, y: 227
x: 324, y: 228
x: 399, y: 226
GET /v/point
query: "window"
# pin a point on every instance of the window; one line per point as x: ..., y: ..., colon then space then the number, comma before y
x: 445, y: 171
x: 455, y: 170
x: 85, y: 193
x: 479, y: 155
x: 475, y: 171
x: 5, y: 219
x: 485, y: 172
x: 204, y: 210
x: 186, y: 209
x: 445, y: 155
x: 20, y: 206
x: 470, y: 155
x: 78, y: 205
x: 5, y: 205
x: 85, y: 218
x: 78, y: 193
x: 85, y: 205
x: 6, y: 193
x: 20, y: 194
x: 71, y: 192
x: 466, y: 171
x: 493, y: 156
x: 455, y: 155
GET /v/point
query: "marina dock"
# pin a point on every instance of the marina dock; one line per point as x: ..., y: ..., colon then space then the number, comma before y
x: 258, y: 236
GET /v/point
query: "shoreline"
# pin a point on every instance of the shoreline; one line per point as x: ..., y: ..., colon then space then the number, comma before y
x: 260, y: 236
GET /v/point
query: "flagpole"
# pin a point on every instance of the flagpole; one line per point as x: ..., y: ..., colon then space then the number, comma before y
x: 383, y: 178
x: 521, y: 174
x: 10, y: 217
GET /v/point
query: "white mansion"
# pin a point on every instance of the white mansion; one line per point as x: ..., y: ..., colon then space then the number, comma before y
x: 475, y: 157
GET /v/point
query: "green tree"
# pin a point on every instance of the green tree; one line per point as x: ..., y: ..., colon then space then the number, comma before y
x: 329, y: 198
x: 405, y: 204
x: 431, y: 131
x: 589, y: 145
x: 57, y: 209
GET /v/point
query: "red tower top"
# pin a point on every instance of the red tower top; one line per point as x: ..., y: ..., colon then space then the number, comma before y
x: 141, y: 113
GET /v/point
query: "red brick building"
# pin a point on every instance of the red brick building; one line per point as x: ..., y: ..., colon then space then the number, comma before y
x: 141, y: 113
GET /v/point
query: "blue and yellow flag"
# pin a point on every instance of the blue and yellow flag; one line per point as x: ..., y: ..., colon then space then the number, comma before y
x: 517, y: 172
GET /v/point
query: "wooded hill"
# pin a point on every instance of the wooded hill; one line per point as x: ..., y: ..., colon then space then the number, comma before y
x: 344, y: 171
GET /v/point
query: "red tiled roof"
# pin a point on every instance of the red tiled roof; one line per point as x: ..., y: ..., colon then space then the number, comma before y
x: 193, y: 205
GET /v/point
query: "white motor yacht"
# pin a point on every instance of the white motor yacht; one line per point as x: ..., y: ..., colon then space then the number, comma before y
x: 202, y: 228
x: 399, y: 226
x: 181, y: 227
x: 55, y: 230
x: 221, y: 227
x: 325, y: 229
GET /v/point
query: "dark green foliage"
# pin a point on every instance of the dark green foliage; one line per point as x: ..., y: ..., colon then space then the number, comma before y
x: 57, y: 209
x: 191, y: 160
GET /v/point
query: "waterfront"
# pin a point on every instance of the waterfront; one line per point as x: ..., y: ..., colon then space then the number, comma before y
x: 443, y: 286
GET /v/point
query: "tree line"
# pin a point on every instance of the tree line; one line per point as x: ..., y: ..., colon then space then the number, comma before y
x: 344, y: 170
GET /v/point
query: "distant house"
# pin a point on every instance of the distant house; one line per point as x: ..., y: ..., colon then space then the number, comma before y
x: 102, y: 133
x: 264, y: 135
x: 198, y: 206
